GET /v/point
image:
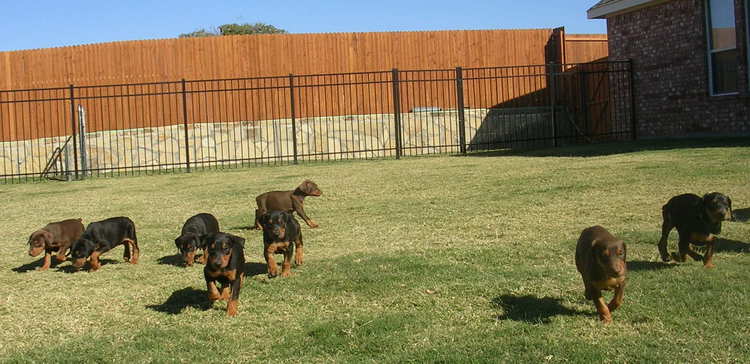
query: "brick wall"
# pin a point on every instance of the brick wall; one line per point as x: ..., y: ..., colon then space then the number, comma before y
x: 667, y: 44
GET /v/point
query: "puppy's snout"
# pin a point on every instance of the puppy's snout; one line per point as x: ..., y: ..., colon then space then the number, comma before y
x: 189, y: 258
x: 214, y: 260
x: 279, y: 231
x: 619, y: 267
x: 78, y: 263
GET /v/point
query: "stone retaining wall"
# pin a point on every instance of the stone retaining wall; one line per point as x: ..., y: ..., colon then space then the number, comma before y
x: 321, y: 138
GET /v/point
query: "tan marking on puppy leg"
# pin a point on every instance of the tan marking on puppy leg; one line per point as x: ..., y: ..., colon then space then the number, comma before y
x: 47, y: 261
x: 94, y: 261
x: 604, y: 315
x: 298, y: 255
x: 232, y: 308
x: 270, y: 262
x: 213, y: 292
x: 225, y: 292
x: 617, y: 299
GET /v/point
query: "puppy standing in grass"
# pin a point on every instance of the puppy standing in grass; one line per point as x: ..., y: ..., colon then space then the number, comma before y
x: 55, y: 236
x: 697, y: 220
x: 600, y: 258
x: 281, y: 234
x: 190, y: 240
x: 226, y: 265
x: 100, y: 237
x: 287, y: 201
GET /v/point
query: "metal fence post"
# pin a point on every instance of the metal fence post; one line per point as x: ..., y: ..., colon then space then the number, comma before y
x: 553, y: 101
x: 185, y: 124
x: 633, y: 119
x: 82, y: 137
x: 584, y: 101
x: 294, y: 116
x: 461, y: 109
x: 73, y: 127
x: 396, y: 111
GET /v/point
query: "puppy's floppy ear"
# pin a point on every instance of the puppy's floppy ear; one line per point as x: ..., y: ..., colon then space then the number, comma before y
x: 48, y: 237
x: 238, y: 240
x: 307, y: 186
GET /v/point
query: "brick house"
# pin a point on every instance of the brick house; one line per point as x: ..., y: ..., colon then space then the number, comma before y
x: 690, y: 63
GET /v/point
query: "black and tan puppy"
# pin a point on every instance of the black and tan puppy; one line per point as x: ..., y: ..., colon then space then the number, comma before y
x: 100, y: 237
x: 225, y: 265
x: 697, y: 220
x: 600, y: 258
x: 55, y: 237
x: 281, y: 235
x: 291, y: 201
x: 190, y: 240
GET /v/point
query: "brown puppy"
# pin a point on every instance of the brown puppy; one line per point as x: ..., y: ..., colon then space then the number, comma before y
x: 287, y: 201
x: 600, y: 258
x: 697, y: 220
x: 55, y: 236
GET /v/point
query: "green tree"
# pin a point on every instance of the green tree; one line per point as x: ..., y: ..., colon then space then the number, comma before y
x: 198, y: 33
x: 234, y: 29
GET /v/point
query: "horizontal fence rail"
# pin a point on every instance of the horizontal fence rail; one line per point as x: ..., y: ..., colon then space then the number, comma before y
x: 72, y: 132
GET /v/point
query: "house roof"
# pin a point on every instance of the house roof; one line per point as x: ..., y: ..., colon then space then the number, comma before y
x: 606, y: 8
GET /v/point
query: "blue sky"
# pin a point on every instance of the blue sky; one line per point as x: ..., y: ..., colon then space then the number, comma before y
x: 46, y: 23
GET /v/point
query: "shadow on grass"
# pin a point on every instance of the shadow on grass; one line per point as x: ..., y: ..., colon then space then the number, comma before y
x: 728, y: 245
x: 741, y: 215
x: 71, y: 269
x: 34, y: 265
x: 254, y: 269
x: 244, y: 227
x: 181, y: 299
x: 175, y: 260
x: 603, y: 149
x: 531, y: 309
x: 639, y: 265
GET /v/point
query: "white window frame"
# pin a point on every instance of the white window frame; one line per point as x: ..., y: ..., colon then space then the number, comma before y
x: 710, y: 52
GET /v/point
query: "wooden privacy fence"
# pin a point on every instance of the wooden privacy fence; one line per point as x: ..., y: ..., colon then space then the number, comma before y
x: 205, y: 123
x: 261, y: 55
x: 230, y: 57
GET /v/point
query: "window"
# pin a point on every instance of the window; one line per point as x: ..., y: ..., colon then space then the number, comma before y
x: 722, y: 47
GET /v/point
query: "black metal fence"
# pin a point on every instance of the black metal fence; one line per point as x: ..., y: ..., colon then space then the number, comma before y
x: 71, y: 132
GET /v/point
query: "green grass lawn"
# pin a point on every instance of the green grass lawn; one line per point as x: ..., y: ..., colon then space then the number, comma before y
x: 434, y: 259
